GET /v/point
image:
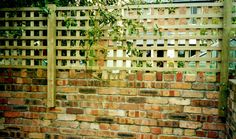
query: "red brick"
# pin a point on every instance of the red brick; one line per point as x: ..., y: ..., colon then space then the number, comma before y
x: 156, y: 130
x: 139, y: 75
x: 159, y: 76
x: 5, y: 108
x: 104, y: 126
x: 31, y: 129
x: 131, y: 77
x: 49, y: 116
x: 179, y: 77
x: 62, y: 82
x: 37, y: 109
x: 17, y: 101
x: 201, y: 133
x: 49, y: 130
x: 115, y: 127
x: 213, y: 134
x: 85, y: 118
x: 128, y: 106
x: 201, y: 77
x: 168, y: 137
x: 3, y: 100
x: 12, y: 114
x: 87, y: 132
x: 31, y: 115
x: 74, y: 111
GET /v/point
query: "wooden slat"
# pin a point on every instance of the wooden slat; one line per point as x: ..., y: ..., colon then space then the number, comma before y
x: 51, y: 71
x: 224, y: 56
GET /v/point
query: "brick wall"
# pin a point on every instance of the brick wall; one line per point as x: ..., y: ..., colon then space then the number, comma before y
x: 231, y: 114
x: 155, y: 105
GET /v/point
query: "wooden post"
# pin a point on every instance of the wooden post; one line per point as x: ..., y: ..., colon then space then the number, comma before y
x: 224, y: 56
x: 51, y: 51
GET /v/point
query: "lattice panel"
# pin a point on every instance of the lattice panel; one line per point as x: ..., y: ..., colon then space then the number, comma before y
x: 189, y: 38
x: 23, y: 40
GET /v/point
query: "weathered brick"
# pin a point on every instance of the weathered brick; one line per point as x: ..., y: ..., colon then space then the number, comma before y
x: 190, y: 109
x: 201, y: 77
x: 104, y: 126
x: 204, y: 103
x: 66, y: 117
x: 145, y: 129
x: 65, y: 124
x: 139, y: 75
x: 31, y: 115
x: 156, y: 130
x: 179, y: 101
x: 3, y: 100
x: 167, y: 123
x: 12, y: 114
x: 199, y: 86
x: 179, y: 77
x: 157, y: 100
x: 36, y: 135
x: 68, y: 131
x: 129, y: 106
x: 149, y: 77
x: 85, y: 118
x: 178, y: 131
x: 213, y: 134
x: 125, y: 135
x: 167, y: 137
x: 170, y: 93
x: 190, y: 124
x: 180, y: 85
x: 200, y: 133
x: 39, y: 81
x: 192, y: 94
x: 211, y: 78
x: 214, y: 126
x: 167, y: 130
x: 189, y: 132
x: 16, y: 101
x: 169, y: 77
x: 136, y: 100
x: 104, y: 120
x: 62, y: 82
x: 190, y: 78
x: 178, y: 116
x: 212, y: 95
x: 87, y: 90
x: 74, y: 111
x: 210, y: 111
x: 20, y: 108
x: 149, y: 92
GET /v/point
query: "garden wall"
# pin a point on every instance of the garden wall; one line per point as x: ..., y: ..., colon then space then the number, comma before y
x: 155, y: 105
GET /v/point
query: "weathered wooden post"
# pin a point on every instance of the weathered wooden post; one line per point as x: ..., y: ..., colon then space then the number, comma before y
x: 51, y: 52
x: 224, y: 56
